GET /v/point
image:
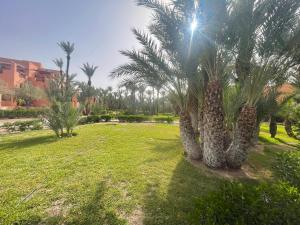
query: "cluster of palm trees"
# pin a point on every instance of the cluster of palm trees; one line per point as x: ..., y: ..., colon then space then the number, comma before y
x: 128, y: 97
x: 219, y: 61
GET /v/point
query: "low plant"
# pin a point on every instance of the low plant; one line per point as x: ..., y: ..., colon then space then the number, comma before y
x: 236, y: 203
x: 287, y: 167
x: 164, y: 119
x: 21, y: 126
x: 106, y: 118
x: 133, y: 118
x: 21, y: 113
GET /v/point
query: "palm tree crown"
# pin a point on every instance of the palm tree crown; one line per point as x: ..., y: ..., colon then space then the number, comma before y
x: 89, y: 71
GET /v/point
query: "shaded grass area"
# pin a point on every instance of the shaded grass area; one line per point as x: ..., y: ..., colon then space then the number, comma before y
x: 122, y: 174
x: 281, y: 137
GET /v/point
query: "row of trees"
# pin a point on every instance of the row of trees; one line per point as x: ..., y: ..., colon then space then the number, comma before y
x: 220, y: 61
x: 129, y: 97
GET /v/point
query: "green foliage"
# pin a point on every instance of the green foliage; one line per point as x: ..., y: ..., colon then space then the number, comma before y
x: 23, y: 126
x: 133, y: 118
x: 287, y: 167
x: 27, y: 93
x: 106, y: 118
x: 95, y: 119
x: 70, y: 116
x: 164, y: 119
x: 246, y: 204
x: 21, y: 113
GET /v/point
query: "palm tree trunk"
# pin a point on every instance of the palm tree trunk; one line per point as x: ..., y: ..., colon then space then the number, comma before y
x: 238, y: 150
x: 288, y: 128
x: 201, y: 127
x: 273, y: 126
x: 255, y: 135
x: 190, y: 144
x: 67, y: 73
x: 213, y: 116
x: 193, y: 108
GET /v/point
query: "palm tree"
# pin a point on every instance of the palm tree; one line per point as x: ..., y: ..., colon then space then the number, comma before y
x: 255, y: 32
x: 89, y: 71
x: 68, y: 48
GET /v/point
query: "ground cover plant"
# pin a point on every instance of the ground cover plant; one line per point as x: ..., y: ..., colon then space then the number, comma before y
x: 104, y: 176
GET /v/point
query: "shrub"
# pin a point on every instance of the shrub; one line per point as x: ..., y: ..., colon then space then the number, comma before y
x: 23, y: 126
x: 132, y: 118
x: 21, y: 113
x: 236, y: 203
x: 164, y: 119
x: 93, y: 119
x: 287, y: 167
x: 106, y: 118
x: 82, y: 120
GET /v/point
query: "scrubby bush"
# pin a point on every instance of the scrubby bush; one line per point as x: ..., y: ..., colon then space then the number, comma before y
x: 133, y: 118
x: 23, y: 126
x: 287, y: 167
x: 106, y: 118
x: 164, y: 119
x: 21, y: 113
x: 93, y: 119
x: 235, y: 203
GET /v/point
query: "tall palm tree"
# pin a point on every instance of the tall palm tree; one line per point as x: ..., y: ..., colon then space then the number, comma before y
x: 89, y: 71
x: 68, y: 48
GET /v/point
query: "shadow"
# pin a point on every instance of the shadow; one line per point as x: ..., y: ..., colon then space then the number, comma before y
x: 15, y: 144
x: 94, y: 212
x: 265, y: 140
x: 187, y: 184
x: 286, y: 143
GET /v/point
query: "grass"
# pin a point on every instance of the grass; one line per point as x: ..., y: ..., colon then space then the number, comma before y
x: 281, y: 137
x: 107, y: 174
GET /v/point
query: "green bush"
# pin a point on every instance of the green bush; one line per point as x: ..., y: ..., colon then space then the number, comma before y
x: 133, y: 118
x: 234, y: 203
x: 23, y: 126
x: 106, y: 118
x: 93, y: 119
x: 164, y: 119
x: 21, y: 113
x: 287, y: 167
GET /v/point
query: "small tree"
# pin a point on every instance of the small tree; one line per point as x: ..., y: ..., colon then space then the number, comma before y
x: 62, y: 115
x: 27, y: 93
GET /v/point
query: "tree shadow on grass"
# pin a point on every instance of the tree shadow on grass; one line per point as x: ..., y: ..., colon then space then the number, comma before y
x: 286, y: 143
x: 187, y: 184
x: 94, y: 212
x: 26, y: 142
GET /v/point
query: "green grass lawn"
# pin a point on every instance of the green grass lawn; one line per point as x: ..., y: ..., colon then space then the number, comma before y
x: 108, y: 174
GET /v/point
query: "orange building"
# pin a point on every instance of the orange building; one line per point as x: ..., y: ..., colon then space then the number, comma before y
x: 15, y: 72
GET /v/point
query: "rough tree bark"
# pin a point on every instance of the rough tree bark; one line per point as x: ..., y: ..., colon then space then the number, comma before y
x: 213, y: 118
x: 273, y: 126
x: 239, y: 148
x: 188, y: 137
x: 193, y: 108
x: 288, y: 128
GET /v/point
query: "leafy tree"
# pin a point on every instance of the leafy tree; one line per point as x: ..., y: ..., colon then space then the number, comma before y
x: 27, y: 93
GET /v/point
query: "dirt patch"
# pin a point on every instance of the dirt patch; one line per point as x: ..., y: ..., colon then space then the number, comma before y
x: 247, y: 171
x: 136, y: 217
x: 58, y: 209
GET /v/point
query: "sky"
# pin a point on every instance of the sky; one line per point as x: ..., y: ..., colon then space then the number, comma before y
x: 30, y: 30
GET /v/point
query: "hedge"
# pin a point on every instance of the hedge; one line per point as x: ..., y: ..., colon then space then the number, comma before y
x: 95, y: 119
x: 133, y: 118
x: 23, y: 126
x: 21, y: 113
